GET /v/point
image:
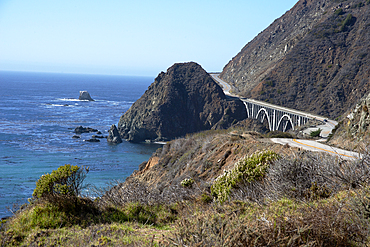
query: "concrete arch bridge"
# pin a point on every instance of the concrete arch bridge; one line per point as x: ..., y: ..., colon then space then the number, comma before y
x: 277, y: 118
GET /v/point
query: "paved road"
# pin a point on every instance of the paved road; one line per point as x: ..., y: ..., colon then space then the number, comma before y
x: 311, y: 145
x: 225, y: 86
x: 317, y: 147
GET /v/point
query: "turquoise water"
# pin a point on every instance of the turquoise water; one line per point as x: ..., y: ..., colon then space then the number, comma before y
x: 38, y: 113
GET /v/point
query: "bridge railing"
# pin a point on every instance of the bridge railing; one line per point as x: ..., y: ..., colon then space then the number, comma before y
x: 278, y: 118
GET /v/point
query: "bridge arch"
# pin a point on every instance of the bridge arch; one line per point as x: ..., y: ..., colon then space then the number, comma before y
x: 246, y: 107
x: 263, y: 117
x: 281, y: 121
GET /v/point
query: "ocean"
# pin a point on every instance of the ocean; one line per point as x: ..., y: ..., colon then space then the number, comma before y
x: 38, y: 114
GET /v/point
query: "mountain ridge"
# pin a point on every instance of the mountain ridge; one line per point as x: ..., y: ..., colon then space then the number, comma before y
x: 313, y: 58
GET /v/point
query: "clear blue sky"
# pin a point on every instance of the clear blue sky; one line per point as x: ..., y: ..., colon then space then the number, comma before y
x: 139, y: 37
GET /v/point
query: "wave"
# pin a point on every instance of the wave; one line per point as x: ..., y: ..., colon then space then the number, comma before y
x: 65, y: 99
x: 53, y: 105
x: 106, y: 101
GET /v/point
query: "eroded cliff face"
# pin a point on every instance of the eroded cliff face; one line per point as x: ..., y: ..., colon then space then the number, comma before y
x: 314, y: 58
x: 183, y: 100
x: 353, y: 132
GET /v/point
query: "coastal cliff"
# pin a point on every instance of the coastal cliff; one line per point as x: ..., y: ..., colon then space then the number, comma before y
x: 183, y: 100
x: 314, y: 58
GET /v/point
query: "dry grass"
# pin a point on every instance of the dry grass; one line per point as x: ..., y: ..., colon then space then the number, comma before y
x: 283, y: 223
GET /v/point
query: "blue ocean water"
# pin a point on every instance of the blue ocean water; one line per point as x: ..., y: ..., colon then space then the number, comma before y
x: 38, y: 113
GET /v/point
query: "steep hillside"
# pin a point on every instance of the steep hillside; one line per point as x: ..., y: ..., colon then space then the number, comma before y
x: 201, y: 157
x: 314, y: 58
x: 183, y: 100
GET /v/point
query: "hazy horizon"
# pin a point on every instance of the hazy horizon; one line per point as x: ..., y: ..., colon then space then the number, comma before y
x: 139, y: 38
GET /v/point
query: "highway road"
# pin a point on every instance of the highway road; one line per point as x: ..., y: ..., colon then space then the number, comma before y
x: 310, y: 145
x: 317, y: 147
x: 225, y: 86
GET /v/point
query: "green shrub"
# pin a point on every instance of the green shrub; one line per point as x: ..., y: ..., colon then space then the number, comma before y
x: 315, y: 133
x: 205, y: 198
x: 66, y: 181
x: 187, y: 182
x: 248, y: 169
x: 338, y: 12
x: 346, y: 22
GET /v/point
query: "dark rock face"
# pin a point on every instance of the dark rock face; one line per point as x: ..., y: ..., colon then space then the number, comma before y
x: 80, y: 130
x: 84, y: 95
x: 92, y: 140
x: 183, y: 100
x: 114, y: 136
x: 314, y: 58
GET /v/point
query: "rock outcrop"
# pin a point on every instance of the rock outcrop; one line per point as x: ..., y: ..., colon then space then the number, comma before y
x: 92, y: 140
x: 84, y: 95
x: 354, y: 130
x: 314, y: 58
x: 80, y: 130
x: 183, y: 100
x: 114, y: 136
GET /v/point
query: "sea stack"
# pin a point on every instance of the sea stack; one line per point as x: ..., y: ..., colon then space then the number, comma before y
x: 84, y: 95
x: 114, y: 136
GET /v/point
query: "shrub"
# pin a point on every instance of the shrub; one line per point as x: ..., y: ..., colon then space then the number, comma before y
x: 347, y: 22
x: 246, y: 170
x: 205, y: 198
x: 338, y: 12
x: 279, y: 134
x: 66, y: 181
x: 315, y: 133
x: 187, y: 182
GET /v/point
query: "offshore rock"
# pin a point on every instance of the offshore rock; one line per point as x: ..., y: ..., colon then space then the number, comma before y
x: 92, y: 140
x: 80, y: 130
x: 84, y: 95
x: 183, y: 100
x: 98, y: 136
x: 114, y: 136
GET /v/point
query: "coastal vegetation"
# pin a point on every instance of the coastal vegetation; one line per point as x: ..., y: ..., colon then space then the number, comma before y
x: 315, y: 133
x: 268, y: 197
x: 246, y: 170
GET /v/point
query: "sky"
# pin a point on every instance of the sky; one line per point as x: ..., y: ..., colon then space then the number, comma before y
x: 136, y: 37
